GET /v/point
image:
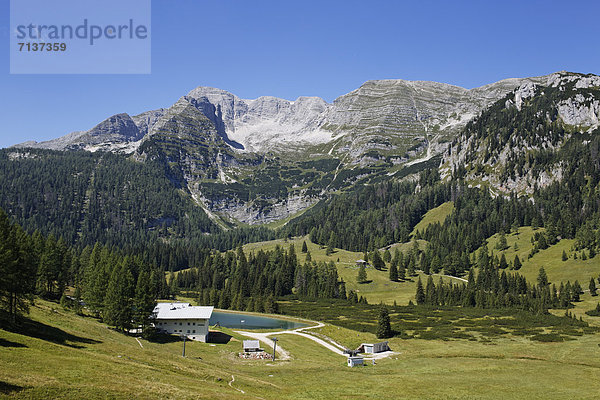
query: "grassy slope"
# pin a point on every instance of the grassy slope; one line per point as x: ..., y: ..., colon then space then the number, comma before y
x: 506, y: 368
x: 379, y: 289
x: 434, y: 215
x: 551, y: 259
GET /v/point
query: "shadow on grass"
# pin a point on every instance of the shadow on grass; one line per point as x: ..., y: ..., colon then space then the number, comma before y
x: 38, y: 330
x: 6, y: 388
x: 8, y: 343
x: 162, y: 338
x: 365, y: 282
x: 218, y: 337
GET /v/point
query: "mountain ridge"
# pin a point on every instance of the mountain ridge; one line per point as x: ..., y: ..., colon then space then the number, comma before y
x: 267, y: 123
x: 209, y: 141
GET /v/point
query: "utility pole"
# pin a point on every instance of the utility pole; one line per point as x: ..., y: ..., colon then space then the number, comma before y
x: 274, y: 346
x: 184, y: 337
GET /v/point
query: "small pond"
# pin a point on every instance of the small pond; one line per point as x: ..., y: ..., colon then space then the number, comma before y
x: 245, y: 321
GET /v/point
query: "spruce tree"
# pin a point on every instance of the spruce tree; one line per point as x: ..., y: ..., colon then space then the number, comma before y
x: 384, y: 328
x: 401, y: 272
x: 361, y: 277
x: 17, y: 268
x: 304, y: 247
x: 564, y: 256
x: 576, y: 291
x: 411, y: 266
x: 308, y: 257
x: 502, y: 243
x: 502, y: 264
x: 593, y: 289
x: 144, y: 300
x: 117, y: 303
x: 542, y: 278
x: 393, y: 272
x: 430, y: 293
x: 378, y: 263
x: 387, y: 256
x: 270, y: 305
x: 420, y: 294
x: 517, y: 263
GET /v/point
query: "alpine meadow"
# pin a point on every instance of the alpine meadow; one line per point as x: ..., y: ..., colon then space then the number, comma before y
x: 407, y: 240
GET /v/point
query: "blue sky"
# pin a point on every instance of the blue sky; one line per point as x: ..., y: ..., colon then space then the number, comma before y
x: 314, y: 48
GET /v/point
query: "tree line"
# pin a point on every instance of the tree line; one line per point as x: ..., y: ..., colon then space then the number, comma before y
x: 494, y: 288
x: 119, y: 289
x: 254, y: 281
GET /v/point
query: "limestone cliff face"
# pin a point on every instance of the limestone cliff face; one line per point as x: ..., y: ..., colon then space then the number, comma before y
x: 390, y: 117
x: 516, y: 144
x: 265, y: 159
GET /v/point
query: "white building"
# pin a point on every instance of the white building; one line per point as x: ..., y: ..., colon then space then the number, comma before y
x: 183, y: 319
x: 372, y: 348
x: 355, y: 361
x: 251, y: 346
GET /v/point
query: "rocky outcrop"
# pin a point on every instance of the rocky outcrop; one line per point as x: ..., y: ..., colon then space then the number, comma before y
x: 547, y: 114
x: 385, y: 116
x: 257, y: 161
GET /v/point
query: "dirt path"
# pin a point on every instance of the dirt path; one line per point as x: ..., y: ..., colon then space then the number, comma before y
x: 231, y: 384
x: 331, y: 345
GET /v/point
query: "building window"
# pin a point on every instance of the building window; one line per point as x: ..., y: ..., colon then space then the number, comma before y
x: 180, y: 323
x: 194, y: 331
x: 193, y: 323
x: 188, y: 324
x: 188, y: 331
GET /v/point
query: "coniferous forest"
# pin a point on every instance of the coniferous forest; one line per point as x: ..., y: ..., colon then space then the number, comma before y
x: 112, y: 229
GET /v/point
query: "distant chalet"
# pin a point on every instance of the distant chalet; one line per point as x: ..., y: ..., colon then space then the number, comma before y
x: 361, y: 262
x: 183, y: 319
x: 251, y: 346
x: 372, y: 348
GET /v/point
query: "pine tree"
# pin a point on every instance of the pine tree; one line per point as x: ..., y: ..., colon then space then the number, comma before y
x: 542, y: 278
x: 393, y: 272
x: 502, y: 243
x: 593, y: 289
x: 65, y: 302
x: 420, y: 295
x: 502, y: 263
x: 384, y: 328
x: 304, y: 247
x: 117, y: 302
x: 270, y: 305
x: 411, y: 266
x: 436, y: 264
x: 96, y: 279
x: 77, y: 305
x: 144, y: 300
x: 401, y: 272
x: 361, y: 277
x: 517, y: 263
x: 308, y: 257
x: 329, y: 250
x: 387, y: 256
x: 430, y: 293
x: 564, y: 256
x: 17, y: 268
x: 576, y: 291
x: 378, y: 263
